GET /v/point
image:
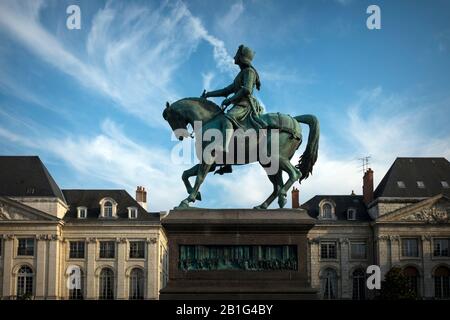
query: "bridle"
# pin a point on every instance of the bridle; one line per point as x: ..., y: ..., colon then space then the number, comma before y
x: 185, y: 124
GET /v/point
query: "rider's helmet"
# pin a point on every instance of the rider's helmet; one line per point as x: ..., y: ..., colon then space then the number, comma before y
x: 245, y: 54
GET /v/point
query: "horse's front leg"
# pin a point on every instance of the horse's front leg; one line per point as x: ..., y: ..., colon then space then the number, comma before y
x: 191, y: 173
x: 202, y: 171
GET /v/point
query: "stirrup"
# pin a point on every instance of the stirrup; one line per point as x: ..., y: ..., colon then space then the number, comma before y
x: 224, y: 169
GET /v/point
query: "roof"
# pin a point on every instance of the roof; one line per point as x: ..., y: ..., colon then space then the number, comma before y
x: 431, y: 171
x: 91, y: 200
x: 343, y: 202
x: 26, y: 176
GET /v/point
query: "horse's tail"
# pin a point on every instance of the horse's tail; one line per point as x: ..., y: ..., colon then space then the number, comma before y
x: 309, y: 157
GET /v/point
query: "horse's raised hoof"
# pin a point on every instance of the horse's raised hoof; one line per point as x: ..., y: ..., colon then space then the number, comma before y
x: 199, y: 196
x: 282, y: 201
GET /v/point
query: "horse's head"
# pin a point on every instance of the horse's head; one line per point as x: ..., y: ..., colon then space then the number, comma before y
x: 188, y: 111
x: 176, y: 121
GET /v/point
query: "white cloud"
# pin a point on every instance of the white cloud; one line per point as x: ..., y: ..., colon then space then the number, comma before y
x: 15, y: 138
x: 207, y: 78
x: 22, y: 22
x: 13, y: 87
x: 246, y: 187
x: 384, y: 126
x: 224, y: 62
x: 387, y: 125
x: 132, y: 51
x: 230, y: 18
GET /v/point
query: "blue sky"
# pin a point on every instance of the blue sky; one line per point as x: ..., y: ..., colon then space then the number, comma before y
x: 89, y: 101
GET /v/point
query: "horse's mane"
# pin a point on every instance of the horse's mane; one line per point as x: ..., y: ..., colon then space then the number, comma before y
x: 210, y: 105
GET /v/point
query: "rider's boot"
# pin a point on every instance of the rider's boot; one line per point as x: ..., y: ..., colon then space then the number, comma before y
x: 228, y: 134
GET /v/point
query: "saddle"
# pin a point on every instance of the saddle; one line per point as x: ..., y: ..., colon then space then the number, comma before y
x: 284, y: 123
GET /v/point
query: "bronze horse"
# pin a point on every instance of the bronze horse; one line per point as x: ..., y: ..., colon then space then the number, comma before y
x: 210, y: 115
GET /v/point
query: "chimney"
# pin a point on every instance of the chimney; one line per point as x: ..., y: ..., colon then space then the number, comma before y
x: 295, y: 201
x: 368, y: 186
x: 141, y: 197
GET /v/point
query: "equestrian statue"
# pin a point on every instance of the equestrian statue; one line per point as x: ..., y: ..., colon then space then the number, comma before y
x: 246, y: 114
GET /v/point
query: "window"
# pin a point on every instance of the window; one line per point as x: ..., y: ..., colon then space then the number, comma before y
x: 107, y: 249
x: 445, y: 184
x: 1, y: 245
x: 358, y: 250
x: 326, y: 211
x: 442, y: 283
x: 76, y: 249
x: 26, y: 247
x: 351, y: 214
x: 401, y: 184
x: 132, y: 213
x: 82, y: 212
x: 410, y: 247
x: 136, y: 284
x: 137, y: 249
x: 359, y: 284
x: 329, y: 284
x: 106, y: 287
x: 412, y: 275
x: 328, y: 250
x: 108, y: 209
x: 77, y: 294
x: 25, y: 283
x: 420, y: 184
x: 164, y: 267
x: 440, y: 247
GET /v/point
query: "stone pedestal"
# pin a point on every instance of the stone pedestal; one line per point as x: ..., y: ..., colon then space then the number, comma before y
x: 238, y: 254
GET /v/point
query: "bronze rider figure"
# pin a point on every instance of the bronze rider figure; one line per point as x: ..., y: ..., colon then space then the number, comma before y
x: 246, y: 108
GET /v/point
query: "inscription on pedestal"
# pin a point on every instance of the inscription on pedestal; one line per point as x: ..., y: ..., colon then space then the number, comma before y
x: 238, y: 257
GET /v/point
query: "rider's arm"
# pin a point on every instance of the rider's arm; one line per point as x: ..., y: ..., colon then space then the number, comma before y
x: 225, y: 92
x: 249, y: 78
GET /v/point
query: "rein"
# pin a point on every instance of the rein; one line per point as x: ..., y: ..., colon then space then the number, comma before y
x: 212, y: 118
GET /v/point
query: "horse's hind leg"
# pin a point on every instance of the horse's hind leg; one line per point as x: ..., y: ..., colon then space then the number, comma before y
x: 294, y: 175
x: 191, y: 173
x: 277, y: 181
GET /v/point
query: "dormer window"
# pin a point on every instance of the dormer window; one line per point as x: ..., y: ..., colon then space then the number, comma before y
x: 401, y: 184
x: 351, y: 214
x: 81, y: 212
x: 132, y: 212
x: 327, y: 208
x: 108, y: 208
x: 420, y: 184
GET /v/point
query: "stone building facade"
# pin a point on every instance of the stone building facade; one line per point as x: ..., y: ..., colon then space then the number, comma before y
x: 75, y: 244
x: 118, y: 250
x: 340, y: 246
x: 403, y: 223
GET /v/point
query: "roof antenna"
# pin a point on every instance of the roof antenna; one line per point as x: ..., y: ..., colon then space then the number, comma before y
x: 365, y: 163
